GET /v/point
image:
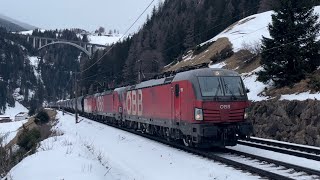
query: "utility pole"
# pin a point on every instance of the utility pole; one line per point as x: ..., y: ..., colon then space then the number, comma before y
x: 139, y: 74
x: 76, y: 96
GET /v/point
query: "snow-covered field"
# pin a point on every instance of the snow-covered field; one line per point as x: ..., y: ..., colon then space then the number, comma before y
x: 90, y: 150
x: 10, y: 129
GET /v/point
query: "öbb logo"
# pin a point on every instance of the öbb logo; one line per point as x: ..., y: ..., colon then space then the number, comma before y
x: 225, y: 106
x: 134, y: 102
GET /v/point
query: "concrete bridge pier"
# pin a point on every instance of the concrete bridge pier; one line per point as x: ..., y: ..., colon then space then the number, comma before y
x: 94, y: 48
x: 40, y: 42
x: 89, y: 49
x: 34, y: 43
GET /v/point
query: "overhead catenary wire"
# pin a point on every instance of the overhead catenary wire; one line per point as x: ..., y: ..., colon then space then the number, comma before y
x: 165, y: 49
x: 120, y: 38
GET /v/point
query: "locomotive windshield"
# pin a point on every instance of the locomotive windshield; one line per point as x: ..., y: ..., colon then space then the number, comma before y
x: 221, y: 86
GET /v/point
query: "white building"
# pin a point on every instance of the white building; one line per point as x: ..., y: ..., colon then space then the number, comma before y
x: 4, y: 119
x: 21, y: 116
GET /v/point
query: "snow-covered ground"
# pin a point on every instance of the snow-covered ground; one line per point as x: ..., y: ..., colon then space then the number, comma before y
x: 10, y: 129
x: 34, y: 62
x: 90, y: 150
x: 249, y: 31
x: 29, y: 32
x: 255, y: 87
x: 301, y: 96
x: 12, y: 111
x: 104, y: 40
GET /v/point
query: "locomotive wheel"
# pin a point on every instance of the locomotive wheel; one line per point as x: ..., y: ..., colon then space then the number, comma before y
x: 187, y: 141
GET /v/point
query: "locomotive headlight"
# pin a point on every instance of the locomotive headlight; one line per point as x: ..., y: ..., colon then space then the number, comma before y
x: 246, y: 113
x: 198, y: 114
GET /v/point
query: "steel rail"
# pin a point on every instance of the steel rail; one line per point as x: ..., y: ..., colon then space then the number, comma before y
x: 280, y: 150
x: 276, y: 162
x: 287, y: 146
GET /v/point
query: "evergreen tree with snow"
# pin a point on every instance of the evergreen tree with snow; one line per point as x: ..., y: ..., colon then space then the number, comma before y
x: 292, y: 51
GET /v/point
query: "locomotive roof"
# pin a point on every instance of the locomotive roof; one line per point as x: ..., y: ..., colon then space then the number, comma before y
x: 187, y: 75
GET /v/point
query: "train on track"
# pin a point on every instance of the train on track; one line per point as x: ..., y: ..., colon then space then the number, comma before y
x: 202, y: 107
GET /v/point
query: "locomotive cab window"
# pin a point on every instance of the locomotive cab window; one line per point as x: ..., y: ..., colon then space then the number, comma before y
x: 233, y: 86
x: 221, y: 86
x: 210, y: 86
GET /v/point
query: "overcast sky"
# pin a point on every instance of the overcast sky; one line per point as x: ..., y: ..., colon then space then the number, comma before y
x: 85, y: 14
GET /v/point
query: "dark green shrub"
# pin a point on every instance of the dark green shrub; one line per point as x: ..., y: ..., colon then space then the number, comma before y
x: 29, y: 139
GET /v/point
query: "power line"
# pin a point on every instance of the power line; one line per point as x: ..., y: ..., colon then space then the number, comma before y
x: 120, y: 38
x: 164, y: 50
x: 169, y: 47
x: 224, y: 42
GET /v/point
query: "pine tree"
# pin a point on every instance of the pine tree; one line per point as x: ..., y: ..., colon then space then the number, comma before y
x: 292, y: 51
x: 85, y: 38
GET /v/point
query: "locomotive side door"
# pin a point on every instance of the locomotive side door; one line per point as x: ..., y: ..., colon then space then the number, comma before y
x: 176, y: 103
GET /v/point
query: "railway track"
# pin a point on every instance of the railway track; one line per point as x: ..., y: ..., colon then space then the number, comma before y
x: 264, y: 167
x: 297, y: 147
x: 286, y: 169
x: 291, y: 149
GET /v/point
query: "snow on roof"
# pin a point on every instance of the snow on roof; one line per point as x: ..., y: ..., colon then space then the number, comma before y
x: 21, y: 114
x: 4, y: 116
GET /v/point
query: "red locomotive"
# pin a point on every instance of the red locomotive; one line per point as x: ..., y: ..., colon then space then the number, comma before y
x: 202, y: 107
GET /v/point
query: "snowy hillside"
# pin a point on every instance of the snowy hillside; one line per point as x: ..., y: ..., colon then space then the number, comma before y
x: 248, y: 32
x: 19, y: 23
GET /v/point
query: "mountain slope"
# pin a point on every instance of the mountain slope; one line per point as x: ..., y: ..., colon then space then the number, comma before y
x: 23, y: 25
x: 238, y: 48
x: 10, y: 26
